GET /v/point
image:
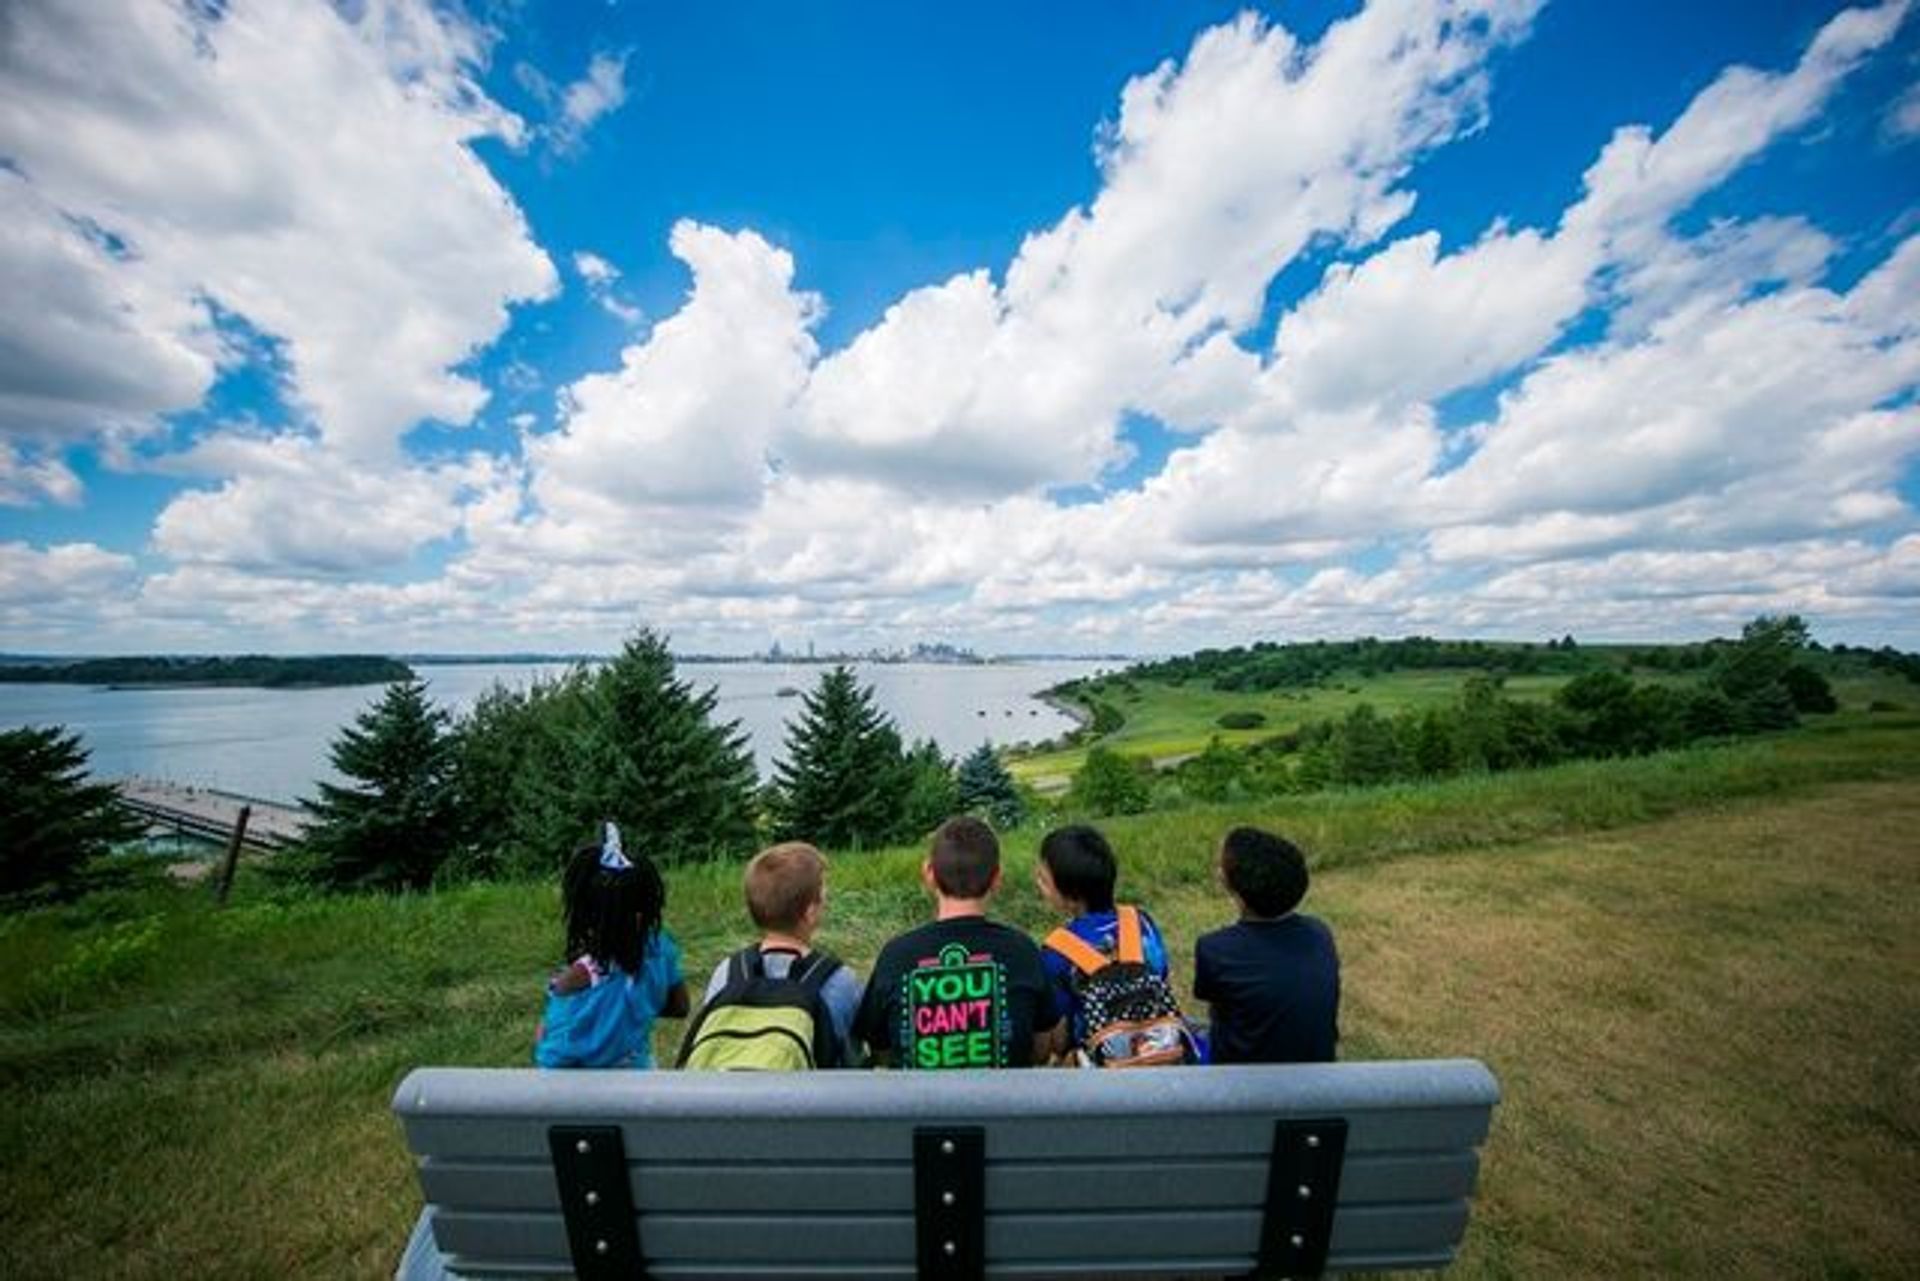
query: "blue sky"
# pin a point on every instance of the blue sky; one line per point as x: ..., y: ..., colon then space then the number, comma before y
x: 1098, y: 327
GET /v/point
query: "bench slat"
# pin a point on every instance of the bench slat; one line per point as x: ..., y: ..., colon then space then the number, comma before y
x: 888, y: 1187
x: 1012, y: 1239
x: 597, y: 1097
x: 818, y: 1138
x: 1183, y: 1268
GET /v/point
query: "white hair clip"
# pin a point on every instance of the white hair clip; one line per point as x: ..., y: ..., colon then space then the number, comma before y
x: 611, y: 855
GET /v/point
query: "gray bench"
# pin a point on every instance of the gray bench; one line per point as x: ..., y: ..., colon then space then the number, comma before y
x: 1287, y: 1171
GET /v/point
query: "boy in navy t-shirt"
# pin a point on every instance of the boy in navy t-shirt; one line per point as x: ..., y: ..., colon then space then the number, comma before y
x: 1273, y: 978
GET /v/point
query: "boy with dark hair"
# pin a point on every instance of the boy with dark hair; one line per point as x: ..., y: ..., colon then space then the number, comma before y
x: 1076, y: 874
x: 1273, y: 978
x: 779, y: 1003
x: 960, y: 991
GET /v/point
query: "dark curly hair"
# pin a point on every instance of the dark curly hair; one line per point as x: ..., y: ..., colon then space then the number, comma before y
x: 611, y: 914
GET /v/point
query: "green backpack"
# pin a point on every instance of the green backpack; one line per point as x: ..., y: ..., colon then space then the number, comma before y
x: 759, y: 1023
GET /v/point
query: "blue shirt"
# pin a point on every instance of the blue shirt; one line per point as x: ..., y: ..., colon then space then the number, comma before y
x: 610, y: 1025
x: 1101, y: 929
x: 1275, y: 990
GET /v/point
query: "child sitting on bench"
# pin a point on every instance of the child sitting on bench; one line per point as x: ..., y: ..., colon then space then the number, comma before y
x: 625, y: 967
x: 1273, y: 977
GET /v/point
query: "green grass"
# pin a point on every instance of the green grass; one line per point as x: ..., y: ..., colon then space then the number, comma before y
x: 1166, y: 723
x: 1694, y: 973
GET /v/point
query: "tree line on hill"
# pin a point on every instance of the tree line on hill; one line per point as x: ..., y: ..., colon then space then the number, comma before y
x: 262, y: 670
x: 1267, y: 665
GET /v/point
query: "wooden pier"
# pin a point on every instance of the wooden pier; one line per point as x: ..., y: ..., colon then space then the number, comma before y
x: 210, y: 814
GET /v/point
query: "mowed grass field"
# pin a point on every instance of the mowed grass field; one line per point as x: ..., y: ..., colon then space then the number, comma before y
x: 1696, y: 975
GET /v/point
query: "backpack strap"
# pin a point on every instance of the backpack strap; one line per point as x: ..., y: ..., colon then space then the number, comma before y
x: 1082, y: 955
x: 812, y: 972
x: 748, y: 965
x: 1132, y: 948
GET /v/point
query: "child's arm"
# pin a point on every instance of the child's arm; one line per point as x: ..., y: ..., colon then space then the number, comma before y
x: 678, y: 1005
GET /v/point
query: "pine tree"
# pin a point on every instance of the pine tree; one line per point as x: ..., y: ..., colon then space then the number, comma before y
x: 52, y: 821
x: 985, y: 788
x: 1753, y: 672
x: 649, y: 756
x: 844, y: 780
x: 932, y: 797
x: 396, y: 821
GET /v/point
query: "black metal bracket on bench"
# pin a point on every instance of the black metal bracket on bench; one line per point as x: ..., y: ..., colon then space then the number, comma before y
x: 1303, y: 1187
x: 590, y: 1165
x: 950, y: 1202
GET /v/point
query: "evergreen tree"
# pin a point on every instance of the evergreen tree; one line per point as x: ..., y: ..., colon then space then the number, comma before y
x: 932, y: 796
x: 641, y: 749
x: 985, y: 788
x: 516, y: 763
x: 844, y: 780
x: 395, y: 823
x: 1109, y: 783
x: 52, y: 821
x: 1752, y: 673
x: 539, y: 770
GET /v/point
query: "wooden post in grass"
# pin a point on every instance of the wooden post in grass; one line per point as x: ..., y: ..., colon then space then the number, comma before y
x: 233, y: 855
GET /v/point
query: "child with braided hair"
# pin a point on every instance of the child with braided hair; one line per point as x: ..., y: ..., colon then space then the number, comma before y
x: 625, y: 967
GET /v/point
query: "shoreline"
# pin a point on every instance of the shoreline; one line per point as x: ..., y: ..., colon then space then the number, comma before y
x: 1073, y: 711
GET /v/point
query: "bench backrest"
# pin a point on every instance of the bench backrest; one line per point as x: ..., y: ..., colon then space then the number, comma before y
x: 1177, y: 1171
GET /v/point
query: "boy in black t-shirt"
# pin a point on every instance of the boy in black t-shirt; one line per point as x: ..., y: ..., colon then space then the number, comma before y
x: 1273, y: 978
x: 960, y: 991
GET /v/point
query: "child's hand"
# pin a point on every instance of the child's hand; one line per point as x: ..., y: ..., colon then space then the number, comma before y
x: 574, y: 978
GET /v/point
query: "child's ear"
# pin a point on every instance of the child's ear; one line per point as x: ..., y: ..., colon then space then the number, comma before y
x: 926, y: 877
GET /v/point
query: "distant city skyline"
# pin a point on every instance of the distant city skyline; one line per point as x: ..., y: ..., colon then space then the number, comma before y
x: 1072, y: 329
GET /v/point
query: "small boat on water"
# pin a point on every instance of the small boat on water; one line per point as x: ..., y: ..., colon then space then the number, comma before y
x: 786, y: 691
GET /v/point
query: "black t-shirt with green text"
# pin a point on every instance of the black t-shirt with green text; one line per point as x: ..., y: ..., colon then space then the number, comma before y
x: 960, y: 993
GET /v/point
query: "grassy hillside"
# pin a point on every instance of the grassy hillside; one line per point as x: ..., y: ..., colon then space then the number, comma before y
x: 1165, y: 722
x: 1696, y: 974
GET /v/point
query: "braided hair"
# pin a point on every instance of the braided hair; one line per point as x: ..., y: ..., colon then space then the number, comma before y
x: 611, y: 913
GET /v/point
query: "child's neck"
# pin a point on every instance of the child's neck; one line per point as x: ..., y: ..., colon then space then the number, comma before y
x: 953, y: 909
x: 781, y: 941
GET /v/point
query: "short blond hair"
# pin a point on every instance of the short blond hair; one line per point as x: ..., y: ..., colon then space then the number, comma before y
x: 783, y: 881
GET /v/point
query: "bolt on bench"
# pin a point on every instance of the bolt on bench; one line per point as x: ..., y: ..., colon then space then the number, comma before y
x: 1273, y: 1171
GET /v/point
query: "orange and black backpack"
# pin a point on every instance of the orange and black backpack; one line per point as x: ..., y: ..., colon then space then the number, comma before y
x: 1131, y: 1015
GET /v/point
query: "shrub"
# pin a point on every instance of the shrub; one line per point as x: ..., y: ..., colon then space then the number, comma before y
x: 1109, y: 783
x: 1241, y: 720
